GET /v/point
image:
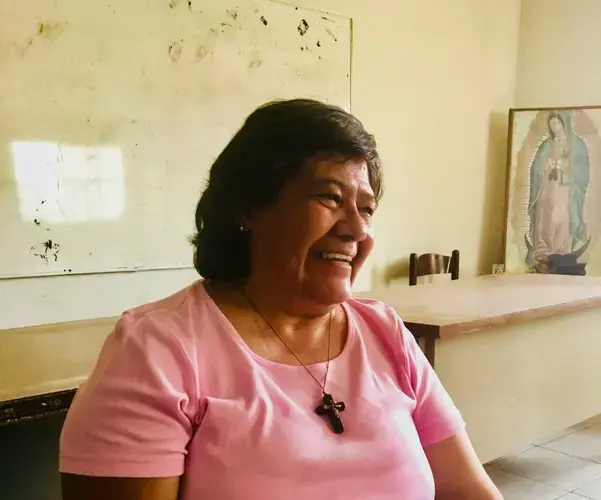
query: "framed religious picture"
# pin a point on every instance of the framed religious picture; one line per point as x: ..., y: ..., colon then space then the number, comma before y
x: 554, y: 191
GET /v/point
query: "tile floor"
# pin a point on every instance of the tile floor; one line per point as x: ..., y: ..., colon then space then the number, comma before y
x: 566, y: 466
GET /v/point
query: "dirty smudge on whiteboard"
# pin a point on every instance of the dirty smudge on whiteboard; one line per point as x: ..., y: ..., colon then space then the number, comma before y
x: 47, y: 251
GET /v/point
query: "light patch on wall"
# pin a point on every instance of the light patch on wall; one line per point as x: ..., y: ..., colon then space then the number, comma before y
x: 61, y: 183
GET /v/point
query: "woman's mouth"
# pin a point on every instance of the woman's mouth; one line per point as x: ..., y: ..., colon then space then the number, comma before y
x: 337, y: 257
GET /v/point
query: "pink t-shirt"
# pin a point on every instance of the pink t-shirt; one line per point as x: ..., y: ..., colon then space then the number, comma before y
x: 177, y: 391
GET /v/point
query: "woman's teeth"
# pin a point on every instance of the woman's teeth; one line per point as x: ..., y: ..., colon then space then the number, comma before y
x: 336, y: 257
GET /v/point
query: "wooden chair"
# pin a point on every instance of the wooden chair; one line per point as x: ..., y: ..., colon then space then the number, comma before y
x: 433, y: 263
x: 424, y: 265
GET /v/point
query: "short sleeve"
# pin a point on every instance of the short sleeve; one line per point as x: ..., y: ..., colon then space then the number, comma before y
x: 435, y: 415
x: 135, y: 415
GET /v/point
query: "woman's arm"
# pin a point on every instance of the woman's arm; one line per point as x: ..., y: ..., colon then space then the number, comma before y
x: 102, y: 488
x: 458, y: 472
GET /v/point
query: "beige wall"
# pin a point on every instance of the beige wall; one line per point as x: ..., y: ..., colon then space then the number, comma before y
x: 559, y: 54
x: 510, y: 381
x: 433, y: 80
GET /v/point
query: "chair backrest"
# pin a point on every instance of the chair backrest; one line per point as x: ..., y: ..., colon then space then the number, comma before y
x: 433, y: 263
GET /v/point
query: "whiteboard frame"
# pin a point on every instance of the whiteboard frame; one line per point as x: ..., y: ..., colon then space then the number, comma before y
x: 124, y: 270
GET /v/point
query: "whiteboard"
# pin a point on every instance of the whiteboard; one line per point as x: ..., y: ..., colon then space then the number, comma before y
x: 111, y: 115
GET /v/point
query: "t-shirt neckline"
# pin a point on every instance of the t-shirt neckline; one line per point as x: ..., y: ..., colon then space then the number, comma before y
x: 350, y: 338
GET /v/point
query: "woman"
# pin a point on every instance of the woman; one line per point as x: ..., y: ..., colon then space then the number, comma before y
x: 266, y: 380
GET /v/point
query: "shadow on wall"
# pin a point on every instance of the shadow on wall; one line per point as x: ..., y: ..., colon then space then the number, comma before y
x: 493, y: 222
x: 29, y: 460
x: 399, y: 269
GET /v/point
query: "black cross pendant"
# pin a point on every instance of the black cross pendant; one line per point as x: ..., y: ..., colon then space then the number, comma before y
x: 332, y: 409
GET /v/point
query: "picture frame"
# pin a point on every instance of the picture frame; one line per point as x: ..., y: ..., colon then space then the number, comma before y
x: 553, y: 191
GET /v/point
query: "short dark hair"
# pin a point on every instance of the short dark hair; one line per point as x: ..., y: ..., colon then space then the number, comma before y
x: 273, y: 144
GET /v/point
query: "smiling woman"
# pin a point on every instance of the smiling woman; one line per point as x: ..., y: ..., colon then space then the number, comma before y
x: 266, y: 380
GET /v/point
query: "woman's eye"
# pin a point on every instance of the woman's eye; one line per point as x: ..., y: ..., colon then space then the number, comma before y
x: 337, y: 199
x: 368, y: 210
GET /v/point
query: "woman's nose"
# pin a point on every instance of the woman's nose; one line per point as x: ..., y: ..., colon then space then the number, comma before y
x: 353, y: 226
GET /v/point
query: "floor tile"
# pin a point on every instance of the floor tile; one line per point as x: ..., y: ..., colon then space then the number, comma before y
x: 552, y: 467
x: 514, y: 487
x: 585, y: 444
x: 592, y: 490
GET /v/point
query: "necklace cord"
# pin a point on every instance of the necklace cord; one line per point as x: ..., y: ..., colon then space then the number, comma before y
x: 322, y: 386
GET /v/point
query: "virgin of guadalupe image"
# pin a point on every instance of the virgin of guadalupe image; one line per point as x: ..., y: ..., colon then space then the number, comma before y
x: 559, y: 177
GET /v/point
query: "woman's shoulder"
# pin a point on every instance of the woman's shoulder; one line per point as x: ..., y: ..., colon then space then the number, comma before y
x: 176, y: 316
x: 381, y: 319
x: 159, y: 341
x: 173, y: 304
x: 375, y: 310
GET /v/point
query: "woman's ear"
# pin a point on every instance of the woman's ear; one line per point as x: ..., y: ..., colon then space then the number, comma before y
x: 248, y: 220
x: 245, y: 223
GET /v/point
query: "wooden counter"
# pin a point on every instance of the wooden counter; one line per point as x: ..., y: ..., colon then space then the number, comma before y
x: 519, y: 355
x: 449, y: 309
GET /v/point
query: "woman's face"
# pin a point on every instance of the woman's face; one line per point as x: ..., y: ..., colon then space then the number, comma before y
x: 313, y: 240
x: 556, y: 127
